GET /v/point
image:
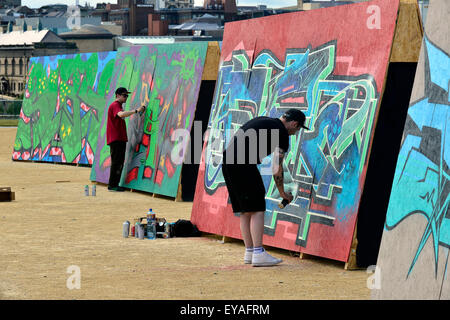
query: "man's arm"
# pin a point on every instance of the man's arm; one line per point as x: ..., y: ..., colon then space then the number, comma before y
x: 124, y: 114
x: 277, y: 167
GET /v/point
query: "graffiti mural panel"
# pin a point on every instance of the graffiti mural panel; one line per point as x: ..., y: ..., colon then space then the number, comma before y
x: 337, y: 82
x: 121, y: 77
x: 416, y: 239
x: 165, y: 78
x: 63, y: 105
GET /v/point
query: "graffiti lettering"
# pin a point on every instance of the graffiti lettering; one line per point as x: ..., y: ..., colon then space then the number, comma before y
x: 323, y: 165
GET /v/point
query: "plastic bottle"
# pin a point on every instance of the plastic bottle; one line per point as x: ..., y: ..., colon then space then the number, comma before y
x: 94, y: 190
x: 149, y: 220
x: 153, y: 230
x: 149, y: 215
x: 151, y: 225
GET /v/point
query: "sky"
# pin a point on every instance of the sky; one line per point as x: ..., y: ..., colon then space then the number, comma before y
x: 269, y: 3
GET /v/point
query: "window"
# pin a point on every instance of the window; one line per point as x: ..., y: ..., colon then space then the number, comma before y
x: 21, y: 66
x: 13, y: 67
x: 6, y: 66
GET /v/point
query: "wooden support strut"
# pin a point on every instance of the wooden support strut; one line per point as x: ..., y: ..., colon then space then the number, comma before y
x: 351, y: 262
x: 304, y: 256
x: 179, y: 197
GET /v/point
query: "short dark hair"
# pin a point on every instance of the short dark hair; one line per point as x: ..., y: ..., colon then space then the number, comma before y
x: 295, y: 115
x: 121, y: 91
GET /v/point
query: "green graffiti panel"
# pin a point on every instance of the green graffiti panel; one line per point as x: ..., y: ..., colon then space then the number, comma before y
x: 166, y: 78
x: 64, y: 100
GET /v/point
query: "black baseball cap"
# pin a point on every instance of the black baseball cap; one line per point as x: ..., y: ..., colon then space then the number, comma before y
x: 296, y: 115
x: 122, y: 90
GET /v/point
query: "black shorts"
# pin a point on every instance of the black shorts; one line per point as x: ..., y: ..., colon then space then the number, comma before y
x: 245, y: 187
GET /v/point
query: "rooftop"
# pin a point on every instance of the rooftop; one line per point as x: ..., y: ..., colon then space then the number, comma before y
x: 87, y: 30
x: 206, y: 22
x: 28, y: 37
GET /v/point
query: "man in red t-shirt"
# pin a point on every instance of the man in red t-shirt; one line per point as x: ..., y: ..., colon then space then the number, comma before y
x: 116, y: 136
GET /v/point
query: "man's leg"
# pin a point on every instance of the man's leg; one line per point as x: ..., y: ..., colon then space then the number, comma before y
x: 257, y: 228
x: 260, y: 257
x: 117, y: 149
x: 233, y: 182
x: 252, y: 230
x: 245, y: 219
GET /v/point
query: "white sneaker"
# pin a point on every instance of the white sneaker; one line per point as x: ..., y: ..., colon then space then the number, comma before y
x: 248, y: 257
x: 264, y: 259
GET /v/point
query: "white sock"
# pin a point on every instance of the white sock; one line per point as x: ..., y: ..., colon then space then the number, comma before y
x: 258, y: 250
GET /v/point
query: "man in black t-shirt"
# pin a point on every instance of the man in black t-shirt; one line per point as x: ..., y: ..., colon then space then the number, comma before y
x: 255, y: 140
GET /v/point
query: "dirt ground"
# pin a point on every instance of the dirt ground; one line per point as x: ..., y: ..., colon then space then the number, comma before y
x: 52, y: 225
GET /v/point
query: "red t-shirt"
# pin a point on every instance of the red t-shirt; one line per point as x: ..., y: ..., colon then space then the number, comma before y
x: 116, y: 128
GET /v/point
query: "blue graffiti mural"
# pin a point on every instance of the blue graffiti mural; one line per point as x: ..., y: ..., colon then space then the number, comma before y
x: 421, y: 182
x: 324, y: 165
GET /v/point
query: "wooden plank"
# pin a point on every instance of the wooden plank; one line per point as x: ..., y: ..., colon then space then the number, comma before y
x: 351, y: 262
x: 226, y: 239
x: 408, y: 33
x: 179, y: 197
x: 212, y: 60
x: 412, y: 260
x: 315, y: 30
x: 304, y: 256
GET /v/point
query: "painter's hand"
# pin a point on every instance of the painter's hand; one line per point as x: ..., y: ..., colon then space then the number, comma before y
x: 288, y: 196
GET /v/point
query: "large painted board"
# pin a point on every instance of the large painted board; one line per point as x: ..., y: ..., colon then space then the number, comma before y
x: 330, y: 63
x: 167, y: 79
x: 63, y: 105
x: 121, y: 77
x: 413, y: 259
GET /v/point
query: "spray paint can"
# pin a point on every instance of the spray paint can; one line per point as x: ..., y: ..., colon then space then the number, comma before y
x: 136, y: 229
x: 132, y: 230
x: 141, y: 232
x: 86, y: 190
x: 283, y: 204
x: 125, y: 229
x: 167, y: 230
x: 94, y: 190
